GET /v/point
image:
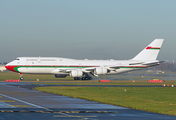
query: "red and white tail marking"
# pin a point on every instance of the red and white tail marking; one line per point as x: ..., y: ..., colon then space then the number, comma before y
x: 151, y: 51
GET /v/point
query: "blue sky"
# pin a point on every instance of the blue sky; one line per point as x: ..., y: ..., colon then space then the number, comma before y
x: 92, y: 29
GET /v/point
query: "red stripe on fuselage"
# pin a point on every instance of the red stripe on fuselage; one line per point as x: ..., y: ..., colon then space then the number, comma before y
x: 11, y: 68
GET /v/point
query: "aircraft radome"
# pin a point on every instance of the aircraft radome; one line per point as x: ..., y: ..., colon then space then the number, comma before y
x: 85, y: 69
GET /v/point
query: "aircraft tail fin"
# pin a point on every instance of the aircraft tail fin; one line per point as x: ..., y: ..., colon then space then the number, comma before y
x: 151, y: 51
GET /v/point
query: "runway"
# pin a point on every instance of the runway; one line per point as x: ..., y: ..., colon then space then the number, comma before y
x: 19, y: 101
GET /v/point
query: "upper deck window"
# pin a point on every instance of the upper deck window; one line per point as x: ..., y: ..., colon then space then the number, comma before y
x: 31, y: 59
x: 48, y: 59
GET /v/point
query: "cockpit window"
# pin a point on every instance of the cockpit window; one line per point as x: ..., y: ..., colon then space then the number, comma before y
x: 17, y: 59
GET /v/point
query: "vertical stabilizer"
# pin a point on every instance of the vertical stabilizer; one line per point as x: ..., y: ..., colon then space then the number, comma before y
x: 151, y: 51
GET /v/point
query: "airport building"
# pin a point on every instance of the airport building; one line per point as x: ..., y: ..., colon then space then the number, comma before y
x: 2, y: 68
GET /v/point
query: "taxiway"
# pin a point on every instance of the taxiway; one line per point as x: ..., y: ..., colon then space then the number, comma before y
x: 19, y: 101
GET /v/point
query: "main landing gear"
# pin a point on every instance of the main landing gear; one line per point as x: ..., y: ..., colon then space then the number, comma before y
x: 83, y: 78
x: 21, y: 76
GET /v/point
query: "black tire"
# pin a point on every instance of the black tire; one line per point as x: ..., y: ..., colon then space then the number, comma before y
x: 76, y: 78
x: 21, y: 78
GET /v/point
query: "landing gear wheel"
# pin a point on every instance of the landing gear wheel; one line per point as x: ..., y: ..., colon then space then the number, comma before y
x: 86, y: 78
x: 83, y: 78
x: 21, y: 76
x: 76, y: 78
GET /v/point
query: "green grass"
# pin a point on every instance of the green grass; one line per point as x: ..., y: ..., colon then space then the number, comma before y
x: 153, y: 99
x: 112, y: 82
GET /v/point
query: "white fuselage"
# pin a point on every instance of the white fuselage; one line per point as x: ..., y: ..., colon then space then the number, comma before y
x: 62, y: 67
x: 47, y: 65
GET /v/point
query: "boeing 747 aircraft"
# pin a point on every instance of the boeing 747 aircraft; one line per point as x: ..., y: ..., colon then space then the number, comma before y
x: 85, y: 69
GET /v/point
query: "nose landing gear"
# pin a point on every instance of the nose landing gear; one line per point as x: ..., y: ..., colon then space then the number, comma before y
x: 21, y: 76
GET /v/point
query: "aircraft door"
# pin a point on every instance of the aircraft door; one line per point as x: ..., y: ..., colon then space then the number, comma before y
x: 80, y: 65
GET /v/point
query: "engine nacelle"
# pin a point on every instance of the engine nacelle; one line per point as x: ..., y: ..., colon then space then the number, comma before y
x: 76, y: 73
x: 100, y: 71
x: 60, y: 76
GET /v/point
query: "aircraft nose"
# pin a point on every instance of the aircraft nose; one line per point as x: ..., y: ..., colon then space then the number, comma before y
x: 9, y: 67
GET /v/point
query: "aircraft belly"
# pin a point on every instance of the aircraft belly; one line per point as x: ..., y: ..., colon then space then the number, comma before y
x: 35, y: 70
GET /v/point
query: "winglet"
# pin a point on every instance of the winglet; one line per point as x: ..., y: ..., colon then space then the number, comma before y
x: 151, y: 51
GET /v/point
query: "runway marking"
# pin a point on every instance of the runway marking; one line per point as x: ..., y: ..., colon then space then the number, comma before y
x: 85, y: 112
x: 54, y: 111
x: 29, y: 104
x: 5, y: 105
x: 36, y: 106
x: 72, y: 116
x: 7, y: 111
x: 22, y: 101
x: 7, y: 101
x: 20, y: 106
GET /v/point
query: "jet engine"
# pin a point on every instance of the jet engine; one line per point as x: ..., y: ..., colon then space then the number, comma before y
x: 76, y: 73
x: 100, y: 70
x: 60, y: 76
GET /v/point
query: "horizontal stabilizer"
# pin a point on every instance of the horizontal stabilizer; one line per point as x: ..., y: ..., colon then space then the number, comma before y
x: 136, y: 63
x: 153, y: 63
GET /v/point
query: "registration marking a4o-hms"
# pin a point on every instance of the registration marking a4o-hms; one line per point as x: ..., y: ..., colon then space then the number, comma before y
x: 22, y: 101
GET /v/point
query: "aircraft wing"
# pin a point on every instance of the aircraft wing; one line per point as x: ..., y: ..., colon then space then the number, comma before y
x: 113, y: 66
x: 108, y: 67
x: 56, y: 71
